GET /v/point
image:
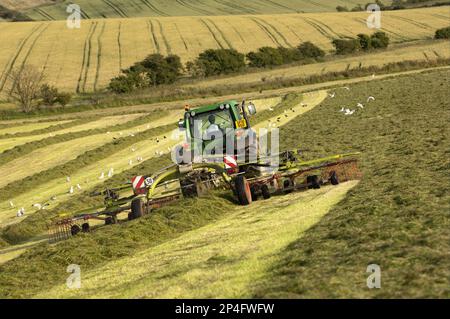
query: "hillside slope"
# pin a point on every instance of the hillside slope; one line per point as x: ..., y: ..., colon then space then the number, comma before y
x: 143, y: 8
x: 89, y: 57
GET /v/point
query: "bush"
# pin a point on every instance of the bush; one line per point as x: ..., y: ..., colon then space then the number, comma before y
x: 64, y: 98
x: 341, y: 9
x: 153, y: 70
x: 49, y: 95
x: 268, y: 56
x: 310, y: 50
x: 219, y: 61
x: 379, y: 40
x: 346, y: 46
x: 443, y: 33
x: 365, y: 41
x: 265, y: 56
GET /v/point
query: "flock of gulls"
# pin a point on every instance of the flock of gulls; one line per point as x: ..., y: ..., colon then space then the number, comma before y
x: 347, y: 111
x: 77, y: 187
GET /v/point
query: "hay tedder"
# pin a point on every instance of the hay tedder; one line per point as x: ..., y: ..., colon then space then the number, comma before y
x: 240, y: 169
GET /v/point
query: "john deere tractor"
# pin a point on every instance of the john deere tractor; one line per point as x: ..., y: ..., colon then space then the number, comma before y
x: 222, y: 129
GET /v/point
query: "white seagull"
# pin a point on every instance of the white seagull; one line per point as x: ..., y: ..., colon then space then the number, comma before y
x: 348, y: 112
x: 130, y: 162
x: 370, y: 98
x: 71, y: 190
x: 332, y: 95
x: 102, y: 175
x: 111, y: 172
x: 360, y: 105
x: 68, y: 179
x: 78, y: 186
x: 11, y: 204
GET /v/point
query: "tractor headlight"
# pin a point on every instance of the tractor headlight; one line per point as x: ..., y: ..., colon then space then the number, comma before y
x: 192, y: 113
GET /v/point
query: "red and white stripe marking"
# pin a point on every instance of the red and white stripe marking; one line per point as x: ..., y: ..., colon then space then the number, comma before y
x: 230, y: 161
x: 138, y: 182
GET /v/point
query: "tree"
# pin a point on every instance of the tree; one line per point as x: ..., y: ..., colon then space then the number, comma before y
x: 265, y: 56
x: 154, y: 70
x: 310, y: 50
x: 25, y: 86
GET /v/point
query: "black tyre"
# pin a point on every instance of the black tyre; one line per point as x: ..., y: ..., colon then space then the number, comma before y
x: 75, y: 229
x: 287, y: 186
x: 254, y: 194
x: 85, y: 228
x: 243, y: 190
x: 109, y: 221
x: 334, y: 180
x: 137, y: 208
x: 313, y: 182
x: 265, y: 191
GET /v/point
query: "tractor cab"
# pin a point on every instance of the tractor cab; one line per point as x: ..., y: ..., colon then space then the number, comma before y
x: 216, y: 128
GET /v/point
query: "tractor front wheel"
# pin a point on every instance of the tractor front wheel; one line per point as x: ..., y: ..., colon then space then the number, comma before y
x: 243, y: 191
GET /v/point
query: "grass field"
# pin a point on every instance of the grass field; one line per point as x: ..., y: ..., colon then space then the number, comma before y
x: 55, y: 156
x: 328, y: 236
x: 219, y: 260
x: 135, y: 8
x: 86, y: 59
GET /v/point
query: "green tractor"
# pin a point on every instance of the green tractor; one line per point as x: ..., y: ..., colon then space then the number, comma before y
x: 218, y: 129
x: 220, y: 149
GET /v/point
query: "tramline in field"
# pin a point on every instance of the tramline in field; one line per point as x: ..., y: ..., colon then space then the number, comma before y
x: 240, y: 169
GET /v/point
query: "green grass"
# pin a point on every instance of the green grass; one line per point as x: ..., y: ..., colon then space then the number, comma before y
x: 124, y: 9
x: 21, y: 150
x: 220, y: 260
x: 398, y: 215
x: 48, y: 262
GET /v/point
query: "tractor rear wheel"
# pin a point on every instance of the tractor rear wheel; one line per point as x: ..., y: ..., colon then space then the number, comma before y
x: 137, y: 209
x: 243, y: 190
x: 334, y: 180
x: 265, y: 191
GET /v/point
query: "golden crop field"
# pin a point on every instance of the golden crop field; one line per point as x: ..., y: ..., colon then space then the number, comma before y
x: 136, y: 8
x: 86, y: 59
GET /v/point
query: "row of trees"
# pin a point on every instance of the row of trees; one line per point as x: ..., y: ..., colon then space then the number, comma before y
x: 364, y: 42
x: 157, y: 69
x: 395, y: 5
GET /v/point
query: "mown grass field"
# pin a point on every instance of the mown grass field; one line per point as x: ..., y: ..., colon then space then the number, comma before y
x: 135, y: 8
x: 86, y: 59
x: 84, y: 159
x: 313, y: 244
